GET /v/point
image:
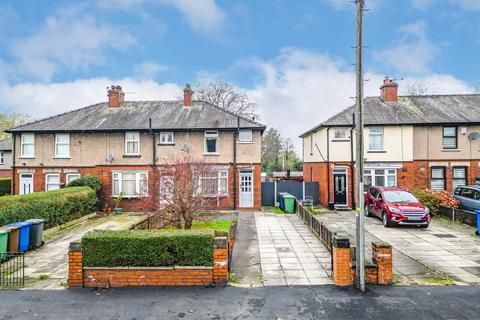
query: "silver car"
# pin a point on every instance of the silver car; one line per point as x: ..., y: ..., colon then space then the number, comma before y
x: 468, y: 196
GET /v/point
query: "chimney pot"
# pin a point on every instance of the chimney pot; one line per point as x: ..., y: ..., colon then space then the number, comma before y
x: 115, y: 96
x: 187, y: 96
x: 389, y: 91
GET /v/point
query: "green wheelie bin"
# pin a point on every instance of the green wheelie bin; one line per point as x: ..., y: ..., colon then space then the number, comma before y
x: 13, y: 237
x: 289, y: 203
x: 3, y: 244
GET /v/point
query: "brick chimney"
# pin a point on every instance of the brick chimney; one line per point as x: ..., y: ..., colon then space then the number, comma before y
x: 187, y: 96
x: 115, y: 96
x: 389, y: 91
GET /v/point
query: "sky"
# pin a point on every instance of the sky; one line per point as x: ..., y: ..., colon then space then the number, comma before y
x: 294, y: 58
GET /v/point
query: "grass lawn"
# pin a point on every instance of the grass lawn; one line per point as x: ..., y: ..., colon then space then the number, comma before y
x: 217, y: 225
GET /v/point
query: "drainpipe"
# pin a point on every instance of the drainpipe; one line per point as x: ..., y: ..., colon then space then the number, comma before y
x: 352, y: 164
x: 154, y: 149
x: 13, y: 163
x: 235, y: 133
x: 328, y: 167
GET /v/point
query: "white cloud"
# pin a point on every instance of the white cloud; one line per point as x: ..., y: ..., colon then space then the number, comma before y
x: 467, y: 4
x: 45, y: 99
x: 148, y: 70
x: 72, y: 38
x: 300, y: 89
x: 413, y: 52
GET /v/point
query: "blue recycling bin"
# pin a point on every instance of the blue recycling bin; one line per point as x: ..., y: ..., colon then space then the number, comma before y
x: 281, y: 200
x: 477, y: 212
x: 24, y: 235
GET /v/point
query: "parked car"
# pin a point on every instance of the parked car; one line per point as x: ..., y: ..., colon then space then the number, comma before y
x: 396, y: 206
x: 468, y: 197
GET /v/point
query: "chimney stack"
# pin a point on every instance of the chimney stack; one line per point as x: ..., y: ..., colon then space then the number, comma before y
x: 187, y: 96
x: 115, y: 96
x: 389, y: 91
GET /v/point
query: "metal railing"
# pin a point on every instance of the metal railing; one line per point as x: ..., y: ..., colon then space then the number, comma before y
x: 12, y: 271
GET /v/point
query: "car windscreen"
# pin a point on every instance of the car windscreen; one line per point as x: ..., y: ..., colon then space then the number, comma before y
x: 399, y: 196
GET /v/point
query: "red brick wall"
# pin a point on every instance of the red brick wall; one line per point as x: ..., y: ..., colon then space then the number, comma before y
x: 6, y: 173
x: 342, y: 274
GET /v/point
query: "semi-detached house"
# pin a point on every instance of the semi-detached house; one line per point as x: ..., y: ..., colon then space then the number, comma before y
x: 126, y: 143
x: 430, y: 141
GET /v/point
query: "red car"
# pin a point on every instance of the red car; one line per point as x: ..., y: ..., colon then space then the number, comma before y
x: 396, y: 206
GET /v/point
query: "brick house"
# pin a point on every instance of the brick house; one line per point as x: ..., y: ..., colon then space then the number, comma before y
x: 126, y: 144
x: 6, y: 158
x: 429, y: 141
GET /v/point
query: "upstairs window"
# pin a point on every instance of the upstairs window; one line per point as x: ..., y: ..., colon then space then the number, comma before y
x: 211, y: 142
x: 62, y: 145
x: 132, y: 143
x: 245, y: 136
x: 166, y: 137
x: 438, y: 178
x: 52, y: 181
x: 131, y: 183
x: 340, y: 134
x: 27, y: 145
x: 2, y: 157
x: 375, y: 139
x: 449, y: 137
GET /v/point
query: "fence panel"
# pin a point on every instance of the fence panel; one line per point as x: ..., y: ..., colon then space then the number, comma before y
x: 12, y: 271
x: 295, y: 188
x: 268, y: 193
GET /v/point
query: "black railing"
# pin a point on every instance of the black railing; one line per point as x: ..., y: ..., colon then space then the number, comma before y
x: 12, y: 271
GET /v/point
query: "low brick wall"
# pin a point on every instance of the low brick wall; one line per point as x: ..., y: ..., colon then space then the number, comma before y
x: 467, y: 217
x: 106, y: 277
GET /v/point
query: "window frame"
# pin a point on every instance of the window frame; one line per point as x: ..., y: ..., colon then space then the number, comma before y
x: 138, y: 175
x: 23, y: 143
x: 2, y: 158
x: 57, y: 143
x: 219, y: 178
x: 444, y: 177
x: 465, y: 179
x: 67, y: 175
x: 240, y: 135
x: 164, y: 133
x: 449, y: 137
x: 345, y: 138
x: 382, y: 135
x: 137, y: 133
x: 47, y: 183
x: 386, y: 174
x: 211, y: 134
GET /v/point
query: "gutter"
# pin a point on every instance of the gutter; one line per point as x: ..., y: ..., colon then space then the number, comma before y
x: 235, y: 133
x: 328, y: 167
x: 352, y: 164
x: 13, y: 163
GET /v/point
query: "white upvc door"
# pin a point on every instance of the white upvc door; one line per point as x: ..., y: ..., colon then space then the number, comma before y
x: 26, y: 183
x: 246, y: 189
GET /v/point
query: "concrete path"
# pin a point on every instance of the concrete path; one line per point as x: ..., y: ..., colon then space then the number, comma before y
x: 289, y: 253
x: 443, y: 250
x: 245, y: 268
x: 46, y: 267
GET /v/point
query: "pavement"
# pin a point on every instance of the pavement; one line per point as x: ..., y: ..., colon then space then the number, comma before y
x: 47, y: 267
x: 280, y: 303
x: 443, y: 253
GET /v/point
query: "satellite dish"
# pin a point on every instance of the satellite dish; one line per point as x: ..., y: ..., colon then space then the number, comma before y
x: 474, y: 136
x: 185, y: 147
x: 109, y: 157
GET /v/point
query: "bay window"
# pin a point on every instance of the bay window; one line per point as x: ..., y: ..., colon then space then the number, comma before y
x: 27, y: 148
x: 130, y: 183
x: 214, y: 183
x: 62, y: 145
x: 52, y: 181
x: 132, y: 143
x: 380, y: 177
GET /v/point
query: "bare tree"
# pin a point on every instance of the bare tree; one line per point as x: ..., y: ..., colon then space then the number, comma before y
x: 8, y: 121
x: 187, y: 186
x: 417, y: 88
x: 227, y: 97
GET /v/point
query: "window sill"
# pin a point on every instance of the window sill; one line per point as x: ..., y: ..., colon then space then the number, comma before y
x: 131, y: 155
x: 130, y: 197
x: 61, y: 158
x: 377, y: 151
x: 223, y: 195
x: 340, y: 140
x: 24, y: 157
x: 211, y: 154
x: 451, y: 150
x: 166, y: 144
x: 245, y: 142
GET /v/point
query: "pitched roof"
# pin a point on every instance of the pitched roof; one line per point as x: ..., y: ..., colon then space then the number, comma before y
x: 135, y: 115
x: 6, y: 145
x: 413, y: 110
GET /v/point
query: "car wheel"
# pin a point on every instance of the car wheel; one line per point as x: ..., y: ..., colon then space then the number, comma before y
x: 385, y: 221
x: 367, y: 212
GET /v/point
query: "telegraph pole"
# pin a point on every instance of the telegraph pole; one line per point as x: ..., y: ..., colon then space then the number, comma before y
x: 359, y: 217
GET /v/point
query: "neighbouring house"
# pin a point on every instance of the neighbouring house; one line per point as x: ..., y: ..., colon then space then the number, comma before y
x: 126, y: 144
x: 6, y: 158
x: 430, y: 141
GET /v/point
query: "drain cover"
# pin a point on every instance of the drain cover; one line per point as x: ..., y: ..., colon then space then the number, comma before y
x: 284, y: 249
x: 444, y: 235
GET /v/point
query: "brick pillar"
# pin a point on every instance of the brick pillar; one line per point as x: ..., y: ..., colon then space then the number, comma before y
x: 75, y: 265
x: 382, y: 256
x: 341, y: 260
x: 220, y: 261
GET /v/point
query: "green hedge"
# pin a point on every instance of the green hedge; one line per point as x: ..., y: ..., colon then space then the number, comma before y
x: 5, y: 186
x: 86, y: 181
x: 57, y: 207
x: 140, y: 248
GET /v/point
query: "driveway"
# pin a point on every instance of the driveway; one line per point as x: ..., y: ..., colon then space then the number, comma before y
x: 46, y: 267
x: 434, y: 255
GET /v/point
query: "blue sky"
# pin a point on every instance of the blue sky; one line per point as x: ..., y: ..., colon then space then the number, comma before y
x: 293, y: 57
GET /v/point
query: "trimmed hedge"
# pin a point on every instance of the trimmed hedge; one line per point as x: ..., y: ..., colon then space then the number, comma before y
x: 86, y: 181
x: 140, y: 248
x: 57, y: 206
x: 5, y: 186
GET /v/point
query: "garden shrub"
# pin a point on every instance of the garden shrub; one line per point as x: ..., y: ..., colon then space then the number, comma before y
x: 57, y: 206
x: 141, y: 248
x: 434, y: 199
x: 5, y: 186
x: 86, y: 181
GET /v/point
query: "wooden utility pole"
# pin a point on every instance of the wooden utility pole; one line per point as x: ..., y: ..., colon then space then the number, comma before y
x: 359, y: 217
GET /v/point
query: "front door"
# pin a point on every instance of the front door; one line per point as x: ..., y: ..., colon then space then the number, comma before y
x: 26, y: 183
x: 246, y: 189
x: 340, y: 188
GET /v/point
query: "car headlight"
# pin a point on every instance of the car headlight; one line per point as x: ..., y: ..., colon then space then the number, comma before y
x: 427, y: 210
x: 394, y: 210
